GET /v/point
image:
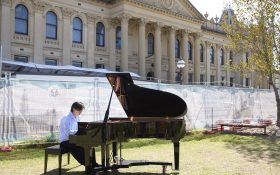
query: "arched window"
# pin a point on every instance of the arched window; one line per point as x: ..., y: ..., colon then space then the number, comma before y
x: 211, y: 55
x: 230, y: 57
x: 222, y: 62
x: 51, y: 25
x: 100, y: 34
x: 177, y: 48
x: 190, y: 54
x: 151, y: 49
x: 201, y: 53
x: 118, y: 38
x: 77, y: 30
x: 247, y: 57
x: 21, y: 20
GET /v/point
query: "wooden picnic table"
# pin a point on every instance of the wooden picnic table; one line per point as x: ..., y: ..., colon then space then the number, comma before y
x: 242, y: 125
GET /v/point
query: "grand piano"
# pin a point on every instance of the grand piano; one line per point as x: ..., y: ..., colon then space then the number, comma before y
x: 150, y: 114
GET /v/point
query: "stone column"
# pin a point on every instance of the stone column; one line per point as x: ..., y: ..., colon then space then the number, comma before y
x: 158, y: 27
x: 124, y: 30
x: 38, y: 34
x: 208, y: 64
x: 6, y: 32
x: 91, y: 34
x: 184, y: 49
x: 141, y: 48
x: 172, y: 64
x: 218, y: 64
x: 67, y: 37
x: 197, y: 57
x: 112, y: 61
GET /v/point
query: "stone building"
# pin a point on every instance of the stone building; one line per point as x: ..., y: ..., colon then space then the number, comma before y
x: 142, y: 36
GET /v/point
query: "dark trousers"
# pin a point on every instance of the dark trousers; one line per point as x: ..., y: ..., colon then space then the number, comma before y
x: 77, y: 152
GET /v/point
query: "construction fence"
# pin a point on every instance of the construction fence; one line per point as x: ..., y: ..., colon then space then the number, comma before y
x: 32, y: 108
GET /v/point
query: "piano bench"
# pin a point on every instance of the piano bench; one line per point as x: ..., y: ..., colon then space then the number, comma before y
x: 55, y: 150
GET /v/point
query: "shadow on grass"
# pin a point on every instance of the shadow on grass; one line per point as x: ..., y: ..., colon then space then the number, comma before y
x: 253, y: 147
x: 64, y: 171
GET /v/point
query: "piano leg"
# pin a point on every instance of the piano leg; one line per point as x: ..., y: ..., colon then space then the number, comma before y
x: 115, y: 150
x: 88, y: 170
x: 107, y: 155
x: 176, y: 154
x: 103, y: 155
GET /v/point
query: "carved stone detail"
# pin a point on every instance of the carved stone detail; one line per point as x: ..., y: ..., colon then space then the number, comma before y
x: 6, y: 2
x: 78, y: 46
x: 171, y: 6
x: 91, y: 18
x: 39, y: 6
x: 67, y: 12
x: 124, y: 17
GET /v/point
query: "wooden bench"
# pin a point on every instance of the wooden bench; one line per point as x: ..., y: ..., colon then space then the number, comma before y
x: 55, y: 150
x: 241, y: 125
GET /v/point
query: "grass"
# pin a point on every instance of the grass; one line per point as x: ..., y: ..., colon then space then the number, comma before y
x: 220, y: 154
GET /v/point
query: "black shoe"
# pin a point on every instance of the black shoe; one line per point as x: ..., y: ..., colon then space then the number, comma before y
x: 95, y: 164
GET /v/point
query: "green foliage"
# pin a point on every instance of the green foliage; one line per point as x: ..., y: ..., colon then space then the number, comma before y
x: 255, y: 29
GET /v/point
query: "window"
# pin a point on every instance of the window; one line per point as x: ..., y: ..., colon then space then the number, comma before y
x: 51, y: 25
x: 230, y: 58
x: 222, y: 81
x: 201, y: 78
x: 100, y: 34
x: 77, y: 30
x: 247, y: 57
x: 151, y: 49
x: 99, y: 66
x: 212, y: 80
x: 52, y: 62
x: 20, y: 58
x: 77, y: 63
x: 190, y: 54
x: 21, y: 20
x: 177, y: 48
x: 212, y: 55
x: 190, y: 78
x: 247, y: 82
x: 118, y: 38
x: 118, y: 68
x: 222, y: 62
x: 201, y: 53
x: 231, y: 81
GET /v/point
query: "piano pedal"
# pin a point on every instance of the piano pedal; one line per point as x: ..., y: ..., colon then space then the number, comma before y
x: 175, y: 172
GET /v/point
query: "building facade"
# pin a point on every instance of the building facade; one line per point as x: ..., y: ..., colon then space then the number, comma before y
x: 141, y: 36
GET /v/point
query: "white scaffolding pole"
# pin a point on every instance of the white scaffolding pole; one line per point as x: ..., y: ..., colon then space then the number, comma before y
x: 1, y: 58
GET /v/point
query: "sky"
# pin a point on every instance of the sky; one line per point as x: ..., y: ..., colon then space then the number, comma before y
x: 212, y: 7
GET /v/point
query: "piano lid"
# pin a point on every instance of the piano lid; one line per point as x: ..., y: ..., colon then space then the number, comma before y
x: 143, y: 102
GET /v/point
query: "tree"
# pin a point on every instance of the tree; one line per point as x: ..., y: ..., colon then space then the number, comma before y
x: 256, y: 29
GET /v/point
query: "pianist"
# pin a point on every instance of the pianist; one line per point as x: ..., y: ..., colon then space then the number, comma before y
x: 69, y: 126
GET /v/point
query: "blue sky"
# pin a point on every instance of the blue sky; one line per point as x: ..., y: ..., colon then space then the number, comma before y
x: 212, y: 7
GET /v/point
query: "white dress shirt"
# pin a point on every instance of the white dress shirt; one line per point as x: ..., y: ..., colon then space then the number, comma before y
x: 68, y: 126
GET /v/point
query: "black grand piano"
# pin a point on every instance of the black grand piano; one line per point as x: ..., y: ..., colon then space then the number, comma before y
x: 150, y: 114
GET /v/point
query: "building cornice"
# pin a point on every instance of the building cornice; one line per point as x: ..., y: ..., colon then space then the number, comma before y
x: 164, y: 10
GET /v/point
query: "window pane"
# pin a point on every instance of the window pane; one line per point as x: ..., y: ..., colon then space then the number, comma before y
x: 100, y: 40
x: 19, y: 58
x: 77, y: 63
x: 21, y: 12
x: 77, y: 36
x: 77, y: 23
x: 51, y: 18
x: 21, y: 26
x: 52, y: 62
x: 51, y: 32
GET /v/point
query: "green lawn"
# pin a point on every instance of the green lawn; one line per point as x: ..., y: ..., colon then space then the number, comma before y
x: 221, y: 154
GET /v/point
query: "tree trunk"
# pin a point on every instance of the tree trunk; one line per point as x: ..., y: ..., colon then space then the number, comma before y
x: 277, y: 100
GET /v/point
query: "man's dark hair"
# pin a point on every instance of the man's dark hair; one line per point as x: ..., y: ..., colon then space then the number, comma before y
x: 79, y: 106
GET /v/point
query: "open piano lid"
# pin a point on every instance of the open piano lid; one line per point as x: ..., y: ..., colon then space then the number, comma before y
x: 143, y: 102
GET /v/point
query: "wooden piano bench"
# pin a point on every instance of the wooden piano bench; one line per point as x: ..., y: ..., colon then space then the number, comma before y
x: 55, y: 150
